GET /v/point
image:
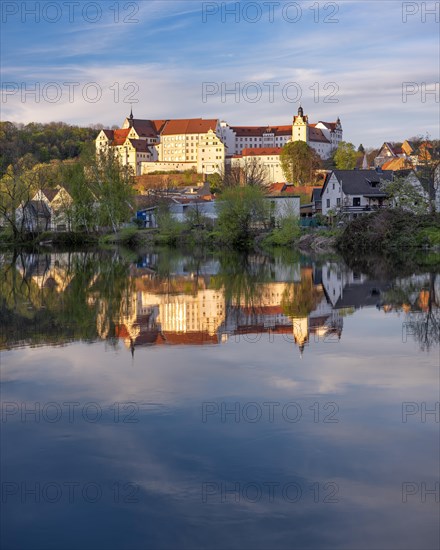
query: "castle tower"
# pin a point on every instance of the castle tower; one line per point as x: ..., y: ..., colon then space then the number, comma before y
x: 300, y: 130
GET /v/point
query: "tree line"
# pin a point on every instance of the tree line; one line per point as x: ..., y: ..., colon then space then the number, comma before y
x: 42, y: 142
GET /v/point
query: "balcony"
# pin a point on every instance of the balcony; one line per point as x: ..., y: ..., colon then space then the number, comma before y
x: 361, y: 209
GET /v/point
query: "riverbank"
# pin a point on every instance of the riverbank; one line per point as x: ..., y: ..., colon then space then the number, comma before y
x: 386, y: 232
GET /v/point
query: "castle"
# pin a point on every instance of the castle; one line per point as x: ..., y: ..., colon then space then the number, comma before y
x: 207, y: 145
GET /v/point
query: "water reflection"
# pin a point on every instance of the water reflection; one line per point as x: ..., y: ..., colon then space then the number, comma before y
x: 168, y: 298
x: 169, y: 442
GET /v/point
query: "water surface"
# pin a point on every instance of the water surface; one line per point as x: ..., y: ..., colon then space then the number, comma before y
x: 185, y: 401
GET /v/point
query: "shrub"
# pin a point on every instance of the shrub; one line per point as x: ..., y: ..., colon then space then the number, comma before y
x: 286, y: 234
x: 241, y: 211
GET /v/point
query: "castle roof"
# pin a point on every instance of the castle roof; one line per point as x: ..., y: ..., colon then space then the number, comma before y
x: 189, y: 126
x: 260, y: 151
x: 316, y: 134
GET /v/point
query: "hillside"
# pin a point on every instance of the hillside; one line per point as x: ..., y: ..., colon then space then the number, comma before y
x: 45, y: 142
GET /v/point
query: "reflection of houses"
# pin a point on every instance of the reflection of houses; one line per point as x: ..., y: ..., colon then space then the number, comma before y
x: 51, y: 271
x: 185, y: 311
x: 187, y: 315
x: 272, y: 315
x: 348, y: 289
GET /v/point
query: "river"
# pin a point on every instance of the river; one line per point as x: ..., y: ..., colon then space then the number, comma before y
x: 173, y: 400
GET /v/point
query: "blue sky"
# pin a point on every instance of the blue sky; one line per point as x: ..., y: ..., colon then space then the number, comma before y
x: 362, y: 52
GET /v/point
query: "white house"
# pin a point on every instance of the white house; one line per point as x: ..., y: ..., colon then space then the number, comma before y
x: 266, y: 157
x: 354, y: 192
x: 284, y: 206
x: 47, y: 211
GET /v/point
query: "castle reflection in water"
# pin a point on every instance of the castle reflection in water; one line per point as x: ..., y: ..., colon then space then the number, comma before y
x: 204, y: 302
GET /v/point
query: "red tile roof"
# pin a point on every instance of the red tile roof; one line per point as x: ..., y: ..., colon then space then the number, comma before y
x: 189, y: 126
x: 282, y: 189
x: 191, y: 338
x: 261, y: 151
x: 119, y: 136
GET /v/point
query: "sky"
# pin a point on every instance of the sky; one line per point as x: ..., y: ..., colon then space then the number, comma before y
x: 374, y: 64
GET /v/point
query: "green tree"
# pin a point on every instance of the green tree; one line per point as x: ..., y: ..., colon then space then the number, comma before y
x: 241, y: 211
x: 113, y: 186
x: 18, y: 186
x: 299, y: 162
x: 345, y: 156
x: 428, y: 171
x: 361, y: 149
x: 215, y: 182
x: 406, y: 195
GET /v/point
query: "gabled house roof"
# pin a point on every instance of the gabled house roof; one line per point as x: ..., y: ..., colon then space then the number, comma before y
x: 108, y: 133
x: 119, y: 136
x: 395, y: 150
x: 359, y: 182
x: 50, y: 194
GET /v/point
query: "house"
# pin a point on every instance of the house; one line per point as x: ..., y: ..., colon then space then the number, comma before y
x: 409, y: 154
x: 354, y: 192
x: 314, y: 207
x: 263, y: 160
x: 179, y: 208
x: 388, y: 151
x: 58, y: 201
x: 47, y: 211
x: 35, y: 216
x: 282, y: 206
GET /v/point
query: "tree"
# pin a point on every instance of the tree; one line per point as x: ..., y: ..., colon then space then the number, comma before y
x: 299, y: 162
x: 250, y: 171
x: 215, y: 182
x: 112, y: 185
x: 428, y: 171
x: 406, y: 195
x: 345, y: 156
x: 361, y: 149
x: 254, y: 172
x: 241, y: 211
x: 18, y: 186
